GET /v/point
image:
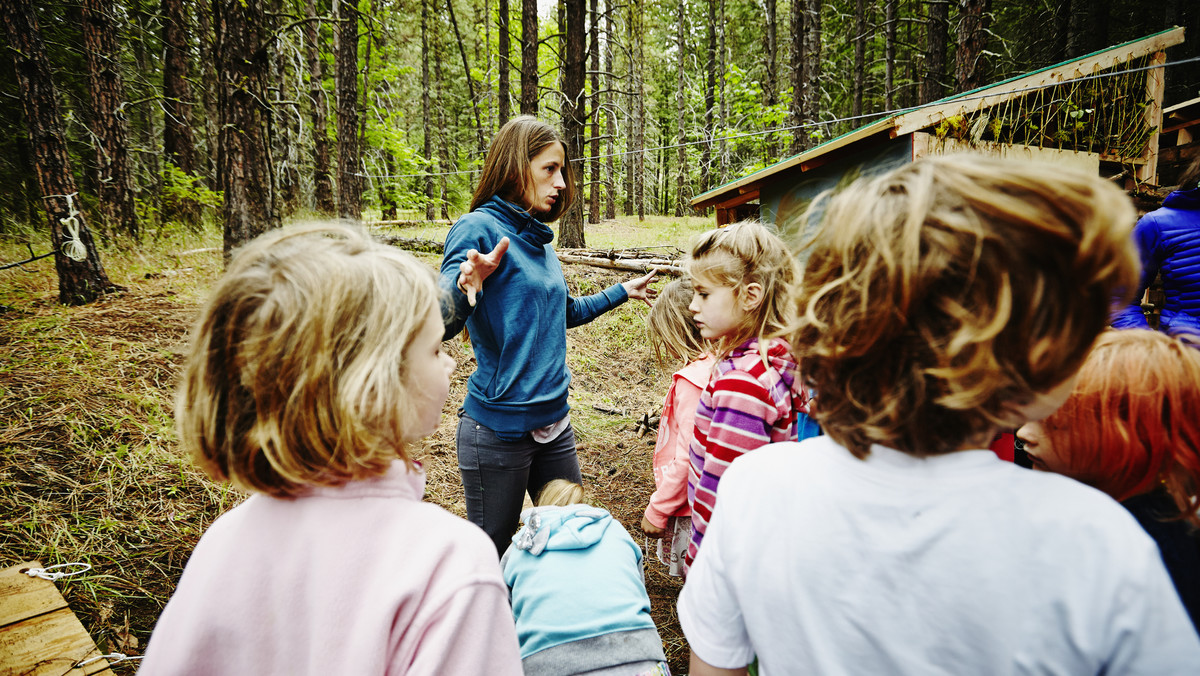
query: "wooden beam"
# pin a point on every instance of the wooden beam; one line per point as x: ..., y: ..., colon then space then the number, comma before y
x: 1155, y: 87
x: 39, y: 635
x: 986, y: 98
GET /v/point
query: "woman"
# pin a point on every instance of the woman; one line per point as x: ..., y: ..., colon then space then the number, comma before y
x: 514, y: 431
x: 1131, y: 428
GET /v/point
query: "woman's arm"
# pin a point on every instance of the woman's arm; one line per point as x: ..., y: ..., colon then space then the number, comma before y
x: 464, y: 269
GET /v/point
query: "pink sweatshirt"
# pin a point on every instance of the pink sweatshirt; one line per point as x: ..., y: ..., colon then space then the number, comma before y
x: 359, y: 579
x: 675, y: 431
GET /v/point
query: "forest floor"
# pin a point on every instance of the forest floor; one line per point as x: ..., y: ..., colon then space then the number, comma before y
x: 90, y: 469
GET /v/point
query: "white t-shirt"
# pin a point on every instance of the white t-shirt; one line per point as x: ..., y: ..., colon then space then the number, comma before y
x: 821, y: 563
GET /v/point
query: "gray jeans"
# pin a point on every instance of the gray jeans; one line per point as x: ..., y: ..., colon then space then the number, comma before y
x: 496, y: 474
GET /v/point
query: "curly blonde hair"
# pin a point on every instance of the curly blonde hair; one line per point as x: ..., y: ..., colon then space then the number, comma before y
x: 297, y: 373
x: 942, y: 295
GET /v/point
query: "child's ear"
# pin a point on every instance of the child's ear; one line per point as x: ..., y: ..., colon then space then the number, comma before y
x: 751, y: 296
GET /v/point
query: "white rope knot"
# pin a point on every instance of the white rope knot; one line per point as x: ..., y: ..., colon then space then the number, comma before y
x: 49, y: 573
x: 73, y: 248
x: 113, y: 658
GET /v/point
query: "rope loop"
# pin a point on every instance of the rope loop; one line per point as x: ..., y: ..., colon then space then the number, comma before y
x: 113, y: 658
x: 73, y: 248
x: 49, y: 572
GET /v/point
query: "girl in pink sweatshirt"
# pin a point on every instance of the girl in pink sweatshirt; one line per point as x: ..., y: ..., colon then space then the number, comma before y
x: 675, y: 337
x: 316, y: 361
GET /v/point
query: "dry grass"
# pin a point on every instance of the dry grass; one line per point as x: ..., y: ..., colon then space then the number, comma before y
x: 90, y: 467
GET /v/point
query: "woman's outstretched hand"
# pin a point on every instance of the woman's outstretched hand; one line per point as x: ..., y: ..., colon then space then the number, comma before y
x: 639, y: 289
x: 477, y: 267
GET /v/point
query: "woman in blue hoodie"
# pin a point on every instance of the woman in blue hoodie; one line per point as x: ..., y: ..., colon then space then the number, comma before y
x: 1169, y: 241
x: 514, y: 431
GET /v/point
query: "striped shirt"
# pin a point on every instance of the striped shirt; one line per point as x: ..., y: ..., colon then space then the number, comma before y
x: 746, y: 405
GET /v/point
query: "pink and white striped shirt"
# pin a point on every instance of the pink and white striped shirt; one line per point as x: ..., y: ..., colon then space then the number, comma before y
x: 747, y: 404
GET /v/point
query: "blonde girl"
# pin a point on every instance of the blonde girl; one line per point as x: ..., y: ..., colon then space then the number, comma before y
x: 314, y: 364
x: 578, y: 593
x: 675, y: 337
x: 742, y: 277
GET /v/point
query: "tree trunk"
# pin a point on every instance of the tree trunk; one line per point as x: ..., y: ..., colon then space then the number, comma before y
x: 811, y: 93
x: 280, y: 128
x: 81, y: 276
x: 889, y: 54
x: 481, y: 144
x: 593, y: 176
x: 799, y: 134
x: 681, y: 181
x: 245, y: 162
x: 610, y: 194
x: 529, y: 57
x: 860, y: 57
x: 770, y: 78
x: 970, y: 69
x: 443, y: 131
x: 349, y: 181
x: 208, y: 93
x: 722, y: 97
x: 426, y: 117
x: 179, y: 143
x: 639, y: 108
x: 503, y: 47
x: 710, y: 100
x: 110, y: 130
x: 571, y: 230
x: 322, y: 181
x: 936, y: 27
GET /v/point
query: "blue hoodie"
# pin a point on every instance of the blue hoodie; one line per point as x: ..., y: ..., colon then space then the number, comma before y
x: 580, y: 603
x: 519, y: 324
x: 1169, y: 241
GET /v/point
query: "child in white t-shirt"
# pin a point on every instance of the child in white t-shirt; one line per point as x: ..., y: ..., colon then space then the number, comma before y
x: 941, y: 302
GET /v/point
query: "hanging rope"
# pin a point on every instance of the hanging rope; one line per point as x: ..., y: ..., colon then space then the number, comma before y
x: 73, y: 248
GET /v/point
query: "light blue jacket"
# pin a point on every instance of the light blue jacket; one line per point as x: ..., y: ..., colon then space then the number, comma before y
x: 519, y: 324
x: 578, y: 596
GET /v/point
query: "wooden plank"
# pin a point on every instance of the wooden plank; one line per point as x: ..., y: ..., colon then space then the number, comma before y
x: 1155, y: 87
x: 926, y: 117
x: 20, y: 600
x: 927, y: 144
x: 40, y: 635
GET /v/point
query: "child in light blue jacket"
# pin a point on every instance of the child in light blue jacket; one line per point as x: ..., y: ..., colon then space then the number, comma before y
x: 578, y: 593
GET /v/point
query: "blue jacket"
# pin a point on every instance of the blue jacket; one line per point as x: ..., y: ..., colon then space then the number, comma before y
x: 1169, y: 242
x: 578, y: 597
x: 519, y: 324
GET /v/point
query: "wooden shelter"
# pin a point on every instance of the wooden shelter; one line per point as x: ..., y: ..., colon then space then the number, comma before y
x: 1179, y: 141
x: 1065, y: 114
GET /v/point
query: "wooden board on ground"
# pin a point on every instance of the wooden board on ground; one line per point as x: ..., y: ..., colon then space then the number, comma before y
x: 39, y: 635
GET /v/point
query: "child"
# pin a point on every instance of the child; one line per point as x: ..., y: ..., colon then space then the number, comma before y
x: 1131, y: 428
x: 313, y: 365
x: 742, y: 276
x: 674, y: 335
x: 577, y: 590
x: 942, y: 301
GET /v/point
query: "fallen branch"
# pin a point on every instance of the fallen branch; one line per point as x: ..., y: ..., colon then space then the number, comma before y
x: 640, y: 266
x: 32, y: 257
x: 613, y: 260
x: 407, y: 224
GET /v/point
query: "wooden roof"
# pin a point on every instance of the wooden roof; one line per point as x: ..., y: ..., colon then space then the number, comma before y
x: 923, y: 117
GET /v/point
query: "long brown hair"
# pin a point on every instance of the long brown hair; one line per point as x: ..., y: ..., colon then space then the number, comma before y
x: 506, y: 170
